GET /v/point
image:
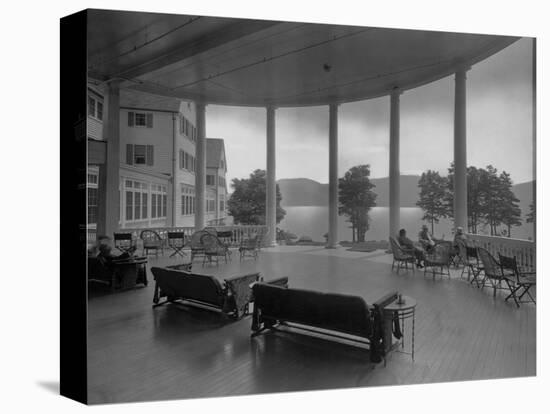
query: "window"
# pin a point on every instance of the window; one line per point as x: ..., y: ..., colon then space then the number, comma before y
x: 136, y: 200
x: 210, y: 203
x: 140, y: 154
x: 210, y: 179
x: 158, y: 201
x: 99, y: 111
x: 187, y: 128
x: 187, y: 161
x: 222, y: 205
x: 221, y: 182
x: 92, y: 198
x: 95, y: 108
x: 187, y: 200
x: 140, y: 119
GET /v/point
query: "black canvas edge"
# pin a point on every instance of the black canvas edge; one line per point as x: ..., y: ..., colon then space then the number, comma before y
x: 73, y: 161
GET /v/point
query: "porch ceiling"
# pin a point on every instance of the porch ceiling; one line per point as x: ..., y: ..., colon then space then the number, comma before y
x: 256, y: 63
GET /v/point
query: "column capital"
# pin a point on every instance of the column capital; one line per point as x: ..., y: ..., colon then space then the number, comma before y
x: 114, y: 82
x: 200, y: 105
x: 461, y: 70
x: 396, y: 91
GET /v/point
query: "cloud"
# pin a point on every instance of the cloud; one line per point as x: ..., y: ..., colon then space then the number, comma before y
x: 498, y: 127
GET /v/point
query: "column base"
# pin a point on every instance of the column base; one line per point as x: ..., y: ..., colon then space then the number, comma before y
x: 333, y: 246
x: 271, y: 244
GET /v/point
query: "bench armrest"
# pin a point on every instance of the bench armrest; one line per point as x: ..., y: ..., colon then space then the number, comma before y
x: 239, y: 288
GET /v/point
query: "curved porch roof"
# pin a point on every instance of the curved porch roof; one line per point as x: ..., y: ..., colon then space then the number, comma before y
x: 256, y: 63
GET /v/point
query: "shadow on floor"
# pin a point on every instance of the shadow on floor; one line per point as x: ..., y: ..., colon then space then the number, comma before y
x: 51, y: 386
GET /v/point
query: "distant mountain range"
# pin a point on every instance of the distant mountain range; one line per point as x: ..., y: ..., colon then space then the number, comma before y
x: 306, y: 192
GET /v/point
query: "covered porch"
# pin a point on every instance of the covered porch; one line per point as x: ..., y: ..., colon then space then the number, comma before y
x: 137, y: 353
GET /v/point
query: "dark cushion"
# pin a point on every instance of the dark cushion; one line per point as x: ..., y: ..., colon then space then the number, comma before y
x: 337, y: 312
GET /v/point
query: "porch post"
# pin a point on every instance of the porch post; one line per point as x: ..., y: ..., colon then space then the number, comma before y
x: 332, y: 241
x: 109, y: 208
x: 460, y: 162
x: 271, y: 185
x: 200, y: 170
x: 395, y: 202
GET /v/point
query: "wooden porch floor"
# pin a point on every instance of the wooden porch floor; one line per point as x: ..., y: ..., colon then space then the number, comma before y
x: 137, y: 353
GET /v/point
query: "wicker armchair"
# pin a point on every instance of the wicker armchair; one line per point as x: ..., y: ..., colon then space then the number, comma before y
x: 195, y: 244
x: 250, y: 247
x: 401, y: 256
x: 151, y: 242
x: 439, y: 259
x: 214, y: 248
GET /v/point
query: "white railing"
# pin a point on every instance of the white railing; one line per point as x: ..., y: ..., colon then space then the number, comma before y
x: 523, y: 250
x: 238, y: 233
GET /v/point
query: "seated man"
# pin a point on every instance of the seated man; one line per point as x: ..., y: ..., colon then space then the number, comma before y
x: 407, y: 243
x: 459, y: 236
x: 426, y: 239
x: 104, y: 251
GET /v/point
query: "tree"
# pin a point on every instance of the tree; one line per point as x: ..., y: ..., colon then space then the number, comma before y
x: 531, y: 216
x: 433, y: 200
x: 473, y: 201
x: 356, y: 198
x: 490, y: 200
x: 508, y: 209
x: 247, y: 202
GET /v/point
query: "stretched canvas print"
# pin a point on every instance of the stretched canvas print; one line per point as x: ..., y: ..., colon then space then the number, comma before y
x: 256, y: 206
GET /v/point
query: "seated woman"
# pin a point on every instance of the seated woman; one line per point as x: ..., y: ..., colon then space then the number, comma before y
x: 407, y: 243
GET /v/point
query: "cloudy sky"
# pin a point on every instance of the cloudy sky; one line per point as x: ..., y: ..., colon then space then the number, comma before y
x: 499, y: 127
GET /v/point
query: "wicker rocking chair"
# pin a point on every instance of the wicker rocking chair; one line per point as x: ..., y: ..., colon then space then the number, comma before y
x: 401, y: 256
x: 439, y: 259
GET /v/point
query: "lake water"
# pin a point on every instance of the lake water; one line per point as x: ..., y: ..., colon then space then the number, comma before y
x: 312, y: 221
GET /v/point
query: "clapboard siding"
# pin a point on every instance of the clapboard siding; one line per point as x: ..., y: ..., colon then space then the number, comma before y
x: 160, y: 136
x: 95, y: 128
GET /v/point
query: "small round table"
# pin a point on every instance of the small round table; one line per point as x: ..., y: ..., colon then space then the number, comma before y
x: 405, y: 310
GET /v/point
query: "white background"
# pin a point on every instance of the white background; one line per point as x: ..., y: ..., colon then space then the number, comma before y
x: 29, y: 353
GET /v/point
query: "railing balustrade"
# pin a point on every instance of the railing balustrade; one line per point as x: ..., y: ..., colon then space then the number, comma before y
x: 523, y: 250
x: 238, y: 233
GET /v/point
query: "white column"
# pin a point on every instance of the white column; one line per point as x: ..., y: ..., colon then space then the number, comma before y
x: 395, y: 202
x: 270, y: 184
x: 460, y: 162
x: 332, y: 241
x: 109, y: 204
x: 200, y: 173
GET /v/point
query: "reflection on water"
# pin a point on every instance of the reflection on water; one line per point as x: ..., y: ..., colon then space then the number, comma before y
x: 313, y: 221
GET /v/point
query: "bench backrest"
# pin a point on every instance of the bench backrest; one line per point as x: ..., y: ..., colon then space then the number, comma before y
x: 181, y: 284
x: 333, y: 311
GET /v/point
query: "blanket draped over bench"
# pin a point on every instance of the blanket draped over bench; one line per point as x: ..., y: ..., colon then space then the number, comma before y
x: 340, y: 313
x: 231, y: 297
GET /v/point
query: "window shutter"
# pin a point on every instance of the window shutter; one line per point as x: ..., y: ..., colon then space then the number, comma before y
x: 150, y: 160
x: 130, y: 119
x: 129, y: 154
x: 181, y: 125
x: 181, y: 160
x: 149, y: 121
